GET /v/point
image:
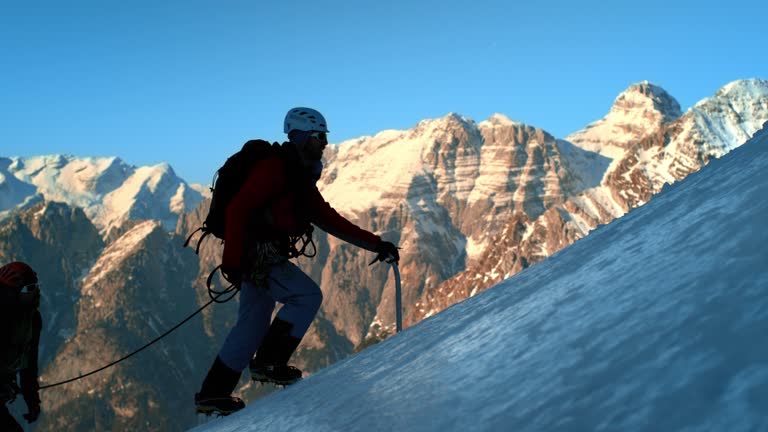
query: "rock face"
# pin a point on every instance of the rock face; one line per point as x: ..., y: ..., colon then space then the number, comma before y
x: 641, y: 145
x: 469, y: 204
x: 61, y: 244
x: 138, y: 288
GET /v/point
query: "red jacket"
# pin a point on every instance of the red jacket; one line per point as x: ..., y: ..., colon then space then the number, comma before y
x: 289, y: 209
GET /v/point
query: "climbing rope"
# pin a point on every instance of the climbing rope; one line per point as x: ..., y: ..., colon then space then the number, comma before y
x: 213, y: 294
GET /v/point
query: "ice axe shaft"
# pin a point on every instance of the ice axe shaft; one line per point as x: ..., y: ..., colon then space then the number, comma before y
x: 398, y: 298
x: 398, y: 291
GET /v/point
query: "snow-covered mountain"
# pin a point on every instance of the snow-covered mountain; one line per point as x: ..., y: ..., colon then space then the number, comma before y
x: 655, y: 322
x: 110, y: 191
x: 470, y: 203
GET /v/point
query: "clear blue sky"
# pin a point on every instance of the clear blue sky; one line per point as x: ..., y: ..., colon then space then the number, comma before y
x: 187, y: 82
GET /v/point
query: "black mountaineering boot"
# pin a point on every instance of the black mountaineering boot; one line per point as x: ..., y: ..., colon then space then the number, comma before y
x: 216, y: 394
x: 271, y: 362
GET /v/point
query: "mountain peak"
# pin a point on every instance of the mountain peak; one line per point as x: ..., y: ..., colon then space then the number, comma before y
x: 441, y: 125
x: 645, y: 96
x: 734, y: 113
x: 450, y: 118
x: 750, y: 85
x: 498, y: 119
x: 735, y: 92
x: 638, y: 111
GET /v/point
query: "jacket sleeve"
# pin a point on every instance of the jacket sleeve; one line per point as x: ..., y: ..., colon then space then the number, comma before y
x: 330, y: 221
x: 266, y: 179
x: 28, y: 376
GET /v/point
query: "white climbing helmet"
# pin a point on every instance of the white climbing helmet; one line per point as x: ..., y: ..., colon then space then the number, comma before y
x: 304, y: 119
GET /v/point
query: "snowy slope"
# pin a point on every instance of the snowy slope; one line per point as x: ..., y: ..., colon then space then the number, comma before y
x: 654, y: 322
x: 107, y: 189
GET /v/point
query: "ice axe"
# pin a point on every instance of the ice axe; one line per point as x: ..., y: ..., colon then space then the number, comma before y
x: 398, y: 290
x: 398, y: 297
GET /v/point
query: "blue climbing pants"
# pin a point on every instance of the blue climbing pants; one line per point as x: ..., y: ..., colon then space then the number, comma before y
x: 286, y: 284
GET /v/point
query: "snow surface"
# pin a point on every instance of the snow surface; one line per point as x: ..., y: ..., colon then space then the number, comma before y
x: 654, y: 322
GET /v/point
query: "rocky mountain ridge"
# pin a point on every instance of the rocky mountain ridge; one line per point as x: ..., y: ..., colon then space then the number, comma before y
x: 638, y: 161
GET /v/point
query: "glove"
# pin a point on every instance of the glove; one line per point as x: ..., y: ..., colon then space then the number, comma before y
x: 387, y: 251
x: 33, y: 406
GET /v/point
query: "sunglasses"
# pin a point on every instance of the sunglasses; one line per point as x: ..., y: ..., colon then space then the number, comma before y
x: 320, y: 136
